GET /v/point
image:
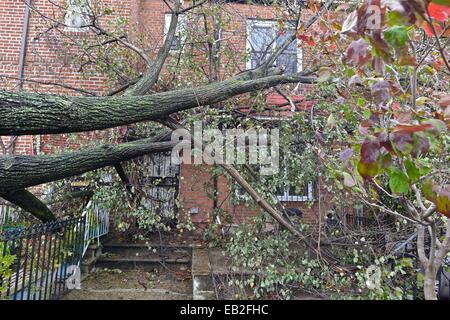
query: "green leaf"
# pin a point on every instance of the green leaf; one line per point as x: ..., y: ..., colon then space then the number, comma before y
x: 368, y: 170
x: 398, y: 181
x: 396, y: 36
x: 411, y: 169
x: 396, y: 18
x: 442, y: 2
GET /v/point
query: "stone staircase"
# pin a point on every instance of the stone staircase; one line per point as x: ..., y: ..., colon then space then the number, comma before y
x: 141, y: 272
x: 124, y: 256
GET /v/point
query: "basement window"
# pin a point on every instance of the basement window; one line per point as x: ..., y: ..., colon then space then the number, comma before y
x: 77, y: 16
x: 263, y: 38
x: 290, y: 194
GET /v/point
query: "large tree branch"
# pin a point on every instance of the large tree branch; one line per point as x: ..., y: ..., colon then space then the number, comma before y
x: 151, y: 76
x: 28, y: 202
x: 37, y: 113
x: 22, y: 171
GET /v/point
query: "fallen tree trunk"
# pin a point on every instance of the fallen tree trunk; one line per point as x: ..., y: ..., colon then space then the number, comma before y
x: 28, y: 202
x: 22, y: 171
x: 36, y: 113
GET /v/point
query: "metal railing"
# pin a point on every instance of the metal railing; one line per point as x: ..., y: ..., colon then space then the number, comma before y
x: 8, y: 216
x: 41, y: 258
x: 37, y: 262
x: 97, y: 224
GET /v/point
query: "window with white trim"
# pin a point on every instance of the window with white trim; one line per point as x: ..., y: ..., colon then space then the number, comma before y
x: 263, y: 38
x: 180, y: 32
x: 287, y: 194
x: 290, y: 194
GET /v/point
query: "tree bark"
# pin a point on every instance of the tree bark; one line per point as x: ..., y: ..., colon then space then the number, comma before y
x: 37, y: 113
x: 22, y: 171
x: 429, y: 282
x: 28, y: 202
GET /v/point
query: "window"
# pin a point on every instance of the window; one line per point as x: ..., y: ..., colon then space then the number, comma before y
x: 77, y: 15
x: 287, y: 194
x: 290, y: 194
x: 180, y: 33
x: 263, y: 38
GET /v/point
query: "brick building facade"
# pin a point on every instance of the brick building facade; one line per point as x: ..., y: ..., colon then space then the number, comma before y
x: 45, y: 59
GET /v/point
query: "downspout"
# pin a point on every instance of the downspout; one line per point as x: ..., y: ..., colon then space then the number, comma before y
x: 23, y: 46
x: 21, y: 66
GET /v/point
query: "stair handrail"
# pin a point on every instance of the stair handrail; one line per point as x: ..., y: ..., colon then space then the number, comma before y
x: 96, y: 224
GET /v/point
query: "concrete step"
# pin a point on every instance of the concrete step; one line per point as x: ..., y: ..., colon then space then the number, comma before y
x: 140, y: 255
x: 151, y: 250
x: 145, y: 263
x: 202, y: 284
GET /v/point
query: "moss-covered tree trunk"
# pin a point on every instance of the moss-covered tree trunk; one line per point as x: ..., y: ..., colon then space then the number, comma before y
x: 22, y: 171
x: 37, y: 113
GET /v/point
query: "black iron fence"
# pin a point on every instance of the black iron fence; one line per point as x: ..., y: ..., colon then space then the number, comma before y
x: 37, y: 262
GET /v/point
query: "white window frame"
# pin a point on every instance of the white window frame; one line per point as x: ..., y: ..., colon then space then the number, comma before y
x: 83, y: 11
x: 286, y: 197
x: 269, y: 24
x: 181, y: 28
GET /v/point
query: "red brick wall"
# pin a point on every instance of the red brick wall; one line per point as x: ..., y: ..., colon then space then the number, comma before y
x: 196, y: 184
x: 46, y: 58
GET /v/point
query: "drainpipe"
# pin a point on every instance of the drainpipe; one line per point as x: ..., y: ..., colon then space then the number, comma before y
x: 23, y: 46
x: 22, y: 53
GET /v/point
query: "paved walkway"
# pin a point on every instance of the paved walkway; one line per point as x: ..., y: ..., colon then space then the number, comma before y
x: 134, y: 284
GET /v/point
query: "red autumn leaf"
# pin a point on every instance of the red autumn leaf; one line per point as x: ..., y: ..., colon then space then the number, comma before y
x: 369, y: 17
x: 403, y: 141
x: 381, y: 92
x: 429, y: 31
x: 406, y: 128
x: 421, y: 145
x: 438, y: 12
x: 308, y: 39
x: 384, y: 141
x: 444, y: 101
x: 358, y: 53
x: 370, y: 150
x: 364, y: 127
x: 438, y: 64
